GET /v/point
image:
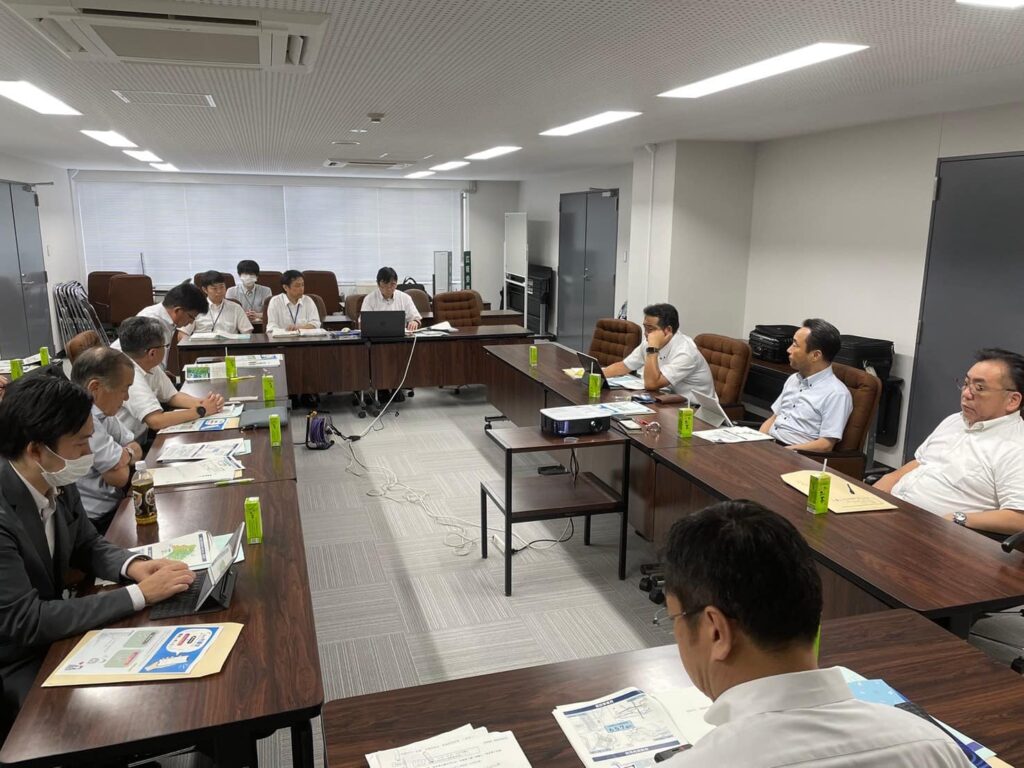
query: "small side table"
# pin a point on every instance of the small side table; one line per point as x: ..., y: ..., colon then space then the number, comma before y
x: 549, y: 497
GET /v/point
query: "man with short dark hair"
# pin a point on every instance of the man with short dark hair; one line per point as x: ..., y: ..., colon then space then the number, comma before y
x: 107, y: 375
x: 387, y: 297
x: 220, y: 315
x: 743, y: 596
x: 142, y: 340
x: 811, y: 412
x: 971, y: 468
x: 176, y: 313
x: 45, y: 426
x: 668, y: 358
x: 250, y: 294
x: 292, y: 310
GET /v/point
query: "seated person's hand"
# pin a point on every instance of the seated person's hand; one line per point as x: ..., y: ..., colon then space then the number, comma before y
x: 3, y: 386
x: 412, y: 325
x: 169, y: 578
x: 306, y: 327
x: 141, y: 569
x: 213, y: 403
x: 656, y: 339
x: 293, y: 327
x: 253, y: 315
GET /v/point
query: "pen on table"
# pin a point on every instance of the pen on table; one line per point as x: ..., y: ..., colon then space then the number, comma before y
x: 241, y: 378
x: 662, y: 756
x: 237, y: 481
x: 850, y: 489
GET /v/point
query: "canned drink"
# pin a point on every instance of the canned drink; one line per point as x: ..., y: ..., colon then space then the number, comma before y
x: 253, y: 520
x: 269, y: 395
x: 17, y: 369
x: 594, y: 386
x: 230, y: 367
x: 274, y: 423
x: 818, y: 492
x: 533, y: 355
x: 685, y: 426
x: 44, y: 356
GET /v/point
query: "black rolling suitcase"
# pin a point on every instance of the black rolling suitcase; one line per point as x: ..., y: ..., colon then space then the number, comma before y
x: 770, y: 342
x: 859, y: 352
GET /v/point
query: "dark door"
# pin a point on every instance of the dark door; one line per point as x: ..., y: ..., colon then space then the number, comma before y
x: 14, y: 340
x: 572, y: 262
x: 973, y: 281
x: 35, y: 297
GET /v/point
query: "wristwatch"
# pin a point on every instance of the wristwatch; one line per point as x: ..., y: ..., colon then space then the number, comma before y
x: 652, y: 350
x: 201, y: 410
x: 960, y: 518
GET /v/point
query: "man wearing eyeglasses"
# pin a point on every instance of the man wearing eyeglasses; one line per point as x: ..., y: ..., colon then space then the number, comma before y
x: 971, y: 468
x: 744, y: 602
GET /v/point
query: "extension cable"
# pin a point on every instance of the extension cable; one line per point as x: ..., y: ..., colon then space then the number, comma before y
x: 498, y: 542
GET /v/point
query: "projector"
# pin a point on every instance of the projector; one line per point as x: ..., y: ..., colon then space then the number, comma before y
x: 574, y: 420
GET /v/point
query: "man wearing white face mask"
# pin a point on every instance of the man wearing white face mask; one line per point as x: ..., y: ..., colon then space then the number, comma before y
x: 45, y: 426
x: 249, y: 294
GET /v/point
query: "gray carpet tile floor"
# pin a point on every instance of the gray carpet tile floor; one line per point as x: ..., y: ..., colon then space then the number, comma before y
x: 395, y: 606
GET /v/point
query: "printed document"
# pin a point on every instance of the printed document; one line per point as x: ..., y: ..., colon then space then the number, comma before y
x: 732, y: 435
x: 465, y: 747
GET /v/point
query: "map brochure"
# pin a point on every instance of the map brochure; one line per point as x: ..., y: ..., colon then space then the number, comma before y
x: 196, y: 550
x: 258, y: 361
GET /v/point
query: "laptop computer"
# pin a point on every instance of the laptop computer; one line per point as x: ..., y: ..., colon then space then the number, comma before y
x: 256, y: 418
x: 382, y: 324
x: 711, y: 411
x: 591, y: 365
x: 210, y: 593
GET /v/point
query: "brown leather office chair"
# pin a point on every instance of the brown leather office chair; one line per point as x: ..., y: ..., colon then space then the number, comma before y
x: 98, y: 286
x: 729, y: 360
x: 460, y: 308
x: 272, y: 280
x: 325, y: 285
x: 321, y: 308
x: 848, y: 454
x: 229, y: 279
x: 129, y: 294
x: 419, y: 298
x: 81, y: 342
x: 479, y: 298
x: 613, y: 340
x: 353, y: 305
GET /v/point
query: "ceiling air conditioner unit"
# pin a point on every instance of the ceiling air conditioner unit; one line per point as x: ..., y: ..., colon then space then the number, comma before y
x: 375, y: 165
x: 168, y: 32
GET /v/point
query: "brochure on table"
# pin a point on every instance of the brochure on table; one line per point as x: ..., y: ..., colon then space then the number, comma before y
x: 843, y: 495
x: 141, y: 654
x: 732, y: 435
x: 226, y: 419
x: 465, y: 747
x: 205, y: 471
x: 258, y: 361
x: 215, y: 449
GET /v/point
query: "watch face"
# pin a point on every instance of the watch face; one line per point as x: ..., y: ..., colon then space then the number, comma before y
x: 201, y: 411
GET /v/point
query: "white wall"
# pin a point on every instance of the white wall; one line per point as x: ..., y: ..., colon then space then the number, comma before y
x: 56, y: 222
x: 650, y: 244
x: 539, y: 198
x: 485, y: 234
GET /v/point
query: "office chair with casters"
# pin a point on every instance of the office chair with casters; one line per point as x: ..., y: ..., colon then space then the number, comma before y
x: 729, y: 361
x: 420, y: 299
x: 460, y: 308
x: 353, y: 306
x: 847, y: 456
x: 271, y: 280
x: 321, y: 308
x: 98, y: 291
x: 128, y: 295
x: 229, y: 279
x: 325, y: 285
x: 614, y: 339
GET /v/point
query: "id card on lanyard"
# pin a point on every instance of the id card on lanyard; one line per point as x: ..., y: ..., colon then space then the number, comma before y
x: 298, y: 312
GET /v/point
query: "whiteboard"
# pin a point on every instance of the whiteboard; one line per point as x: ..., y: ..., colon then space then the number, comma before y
x: 515, y: 246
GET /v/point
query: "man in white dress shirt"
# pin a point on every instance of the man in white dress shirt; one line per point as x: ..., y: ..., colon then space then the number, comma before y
x: 176, y: 313
x: 292, y: 310
x: 743, y: 595
x: 668, y: 358
x: 250, y: 294
x: 220, y: 315
x: 387, y: 297
x: 811, y: 412
x: 971, y: 468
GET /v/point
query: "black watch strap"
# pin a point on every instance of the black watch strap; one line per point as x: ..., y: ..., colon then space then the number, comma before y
x: 201, y: 410
x: 652, y: 350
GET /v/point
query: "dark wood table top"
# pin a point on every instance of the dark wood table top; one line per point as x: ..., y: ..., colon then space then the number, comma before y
x: 271, y: 679
x: 262, y: 340
x: 906, y: 557
x: 949, y: 678
x: 249, y: 384
x: 264, y: 464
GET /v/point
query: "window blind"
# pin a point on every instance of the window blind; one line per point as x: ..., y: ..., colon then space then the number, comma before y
x: 176, y: 230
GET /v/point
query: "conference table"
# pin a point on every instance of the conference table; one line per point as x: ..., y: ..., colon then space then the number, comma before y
x: 951, y: 680
x: 345, y: 362
x: 248, y: 384
x: 340, y: 320
x: 869, y: 561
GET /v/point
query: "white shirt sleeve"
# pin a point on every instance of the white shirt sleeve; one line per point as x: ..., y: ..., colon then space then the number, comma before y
x: 1009, y: 477
x: 277, y: 315
x: 163, y: 386
x: 835, y: 412
x: 242, y: 324
x: 142, y: 400
x: 106, y: 451
x: 308, y: 312
x: 683, y: 364
x: 411, y: 313
x: 635, y: 359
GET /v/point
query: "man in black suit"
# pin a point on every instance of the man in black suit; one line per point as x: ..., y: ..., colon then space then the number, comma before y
x: 45, y: 425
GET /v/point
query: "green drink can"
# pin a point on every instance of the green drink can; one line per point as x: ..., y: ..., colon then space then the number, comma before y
x: 685, y: 426
x: 230, y: 367
x: 533, y: 355
x: 817, y: 493
x: 253, y: 520
x: 17, y: 369
x: 274, y: 423
x: 44, y: 356
x: 269, y: 395
x: 594, y: 386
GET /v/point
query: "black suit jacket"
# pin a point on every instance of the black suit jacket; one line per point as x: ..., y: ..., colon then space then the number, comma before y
x: 33, y: 612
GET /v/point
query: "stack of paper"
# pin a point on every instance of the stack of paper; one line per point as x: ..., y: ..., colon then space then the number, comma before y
x: 226, y: 419
x: 188, y: 473
x: 626, y: 382
x: 732, y: 435
x: 465, y: 747
x: 443, y: 326
x: 258, y: 361
x: 217, y: 449
x: 213, y: 335
x: 301, y: 332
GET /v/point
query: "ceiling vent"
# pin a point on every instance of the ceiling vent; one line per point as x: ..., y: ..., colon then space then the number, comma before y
x: 168, y: 32
x: 375, y: 165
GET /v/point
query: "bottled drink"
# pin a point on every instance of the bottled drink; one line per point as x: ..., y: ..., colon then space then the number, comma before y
x: 143, y: 495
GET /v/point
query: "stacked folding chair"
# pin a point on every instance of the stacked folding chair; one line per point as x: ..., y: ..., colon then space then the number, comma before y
x: 74, y: 312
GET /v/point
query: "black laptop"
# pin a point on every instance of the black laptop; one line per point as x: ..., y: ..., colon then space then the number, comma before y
x: 210, y: 593
x: 382, y: 324
x: 591, y: 365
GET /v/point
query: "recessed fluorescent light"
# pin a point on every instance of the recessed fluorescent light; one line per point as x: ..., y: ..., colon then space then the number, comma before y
x: 449, y: 166
x: 143, y: 154
x: 29, y: 96
x: 487, y: 154
x: 419, y: 174
x: 357, y: 130
x: 1010, y: 4
x: 110, y: 138
x: 594, y: 121
x: 786, y: 62
x: 163, y: 166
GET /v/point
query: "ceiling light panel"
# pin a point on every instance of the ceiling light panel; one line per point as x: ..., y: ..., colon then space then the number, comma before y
x: 1011, y: 5
x: 786, y: 62
x: 487, y: 154
x: 449, y: 166
x: 163, y: 166
x: 28, y: 95
x: 419, y: 175
x: 110, y: 138
x: 589, y: 123
x: 143, y: 154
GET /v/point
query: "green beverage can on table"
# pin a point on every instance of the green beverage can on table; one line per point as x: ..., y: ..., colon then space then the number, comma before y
x: 230, y: 366
x: 253, y: 520
x: 17, y: 369
x: 533, y: 355
x: 44, y: 356
x: 269, y: 395
x: 685, y: 426
x: 594, y: 386
x: 817, y: 493
x: 274, y: 423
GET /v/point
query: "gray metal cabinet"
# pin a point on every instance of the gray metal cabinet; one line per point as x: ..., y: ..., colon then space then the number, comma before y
x: 24, y: 299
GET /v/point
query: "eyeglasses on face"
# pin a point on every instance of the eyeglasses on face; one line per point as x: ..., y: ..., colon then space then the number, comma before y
x: 978, y: 388
x: 665, y: 619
